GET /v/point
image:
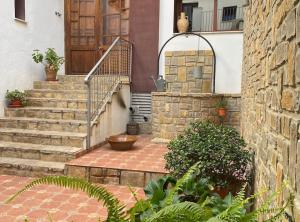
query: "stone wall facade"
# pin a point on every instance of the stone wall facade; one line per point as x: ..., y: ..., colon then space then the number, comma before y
x: 179, y: 71
x: 271, y: 93
x: 172, y: 112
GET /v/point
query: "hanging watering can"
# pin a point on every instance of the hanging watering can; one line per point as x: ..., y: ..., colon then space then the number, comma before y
x: 160, y: 84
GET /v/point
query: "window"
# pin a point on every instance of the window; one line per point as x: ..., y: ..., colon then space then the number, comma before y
x: 188, y: 8
x: 229, y: 13
x: 20, y: 9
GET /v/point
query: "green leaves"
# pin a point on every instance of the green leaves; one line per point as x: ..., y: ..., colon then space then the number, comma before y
x: 51, y: 60
x: 16, y: 95
x: 219, y: 150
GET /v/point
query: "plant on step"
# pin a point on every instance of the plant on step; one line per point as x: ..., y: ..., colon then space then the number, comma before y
x: 192, y: 199
x: 51, y: 61
x: 16, y: 98
x: 219, y: 150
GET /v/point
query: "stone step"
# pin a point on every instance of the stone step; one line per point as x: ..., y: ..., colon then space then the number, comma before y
x: 59, y: 85
x: 76, y: 126
x: 57, y: 103
x: 30, y: 168
x: 47, y: 113
x: 57, y: 94
x: 39, y: 152
x: 43, y: 137
x: 80, y: 78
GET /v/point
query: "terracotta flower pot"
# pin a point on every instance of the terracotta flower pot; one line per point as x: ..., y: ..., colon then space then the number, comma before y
x: 50, y: 74
x: 15, y: 104
x: 183, y: 23
x: 222, y: 112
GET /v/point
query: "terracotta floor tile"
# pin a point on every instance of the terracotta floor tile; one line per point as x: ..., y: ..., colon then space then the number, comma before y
x: 144, y: 152
x: 63, y: 205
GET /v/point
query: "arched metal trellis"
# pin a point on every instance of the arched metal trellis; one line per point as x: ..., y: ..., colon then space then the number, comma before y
x: 200, y: 36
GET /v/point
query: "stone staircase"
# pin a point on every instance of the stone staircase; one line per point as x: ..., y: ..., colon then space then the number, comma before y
x: 38, y: 139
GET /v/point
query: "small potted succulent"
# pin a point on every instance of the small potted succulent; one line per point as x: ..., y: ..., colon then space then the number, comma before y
x: 16, y: 98
x: 51, y: 61
x: 221, y: 107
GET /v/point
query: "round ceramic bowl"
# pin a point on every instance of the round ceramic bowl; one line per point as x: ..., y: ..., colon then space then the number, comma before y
x: 122, y: 142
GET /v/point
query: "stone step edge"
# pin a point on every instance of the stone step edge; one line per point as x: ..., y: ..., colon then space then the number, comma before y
x: 49, y: 149
x: 60, y: 121
x: 52, y: 109
x: 114, y: 176
x: 32, y: 165
x: 42, y: 133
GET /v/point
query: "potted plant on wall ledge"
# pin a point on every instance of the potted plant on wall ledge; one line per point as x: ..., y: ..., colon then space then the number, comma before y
x: 16, y: 99
x: 221, y: 108
x: 51, y: 61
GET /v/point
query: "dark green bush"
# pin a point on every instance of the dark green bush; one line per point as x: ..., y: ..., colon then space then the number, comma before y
x: 219, y: 150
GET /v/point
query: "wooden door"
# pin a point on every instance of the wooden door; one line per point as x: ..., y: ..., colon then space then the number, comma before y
x: 114, y: 20
x: 82, y: 24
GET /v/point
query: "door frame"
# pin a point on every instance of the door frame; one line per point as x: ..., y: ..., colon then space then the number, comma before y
x: 67, y: 30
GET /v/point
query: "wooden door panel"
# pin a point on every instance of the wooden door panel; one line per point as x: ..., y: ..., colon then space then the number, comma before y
x: 82, y: 35
x: 82, y: 61
x: 91, y: 27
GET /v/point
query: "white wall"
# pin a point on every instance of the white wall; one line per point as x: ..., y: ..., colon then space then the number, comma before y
x: 43, y: 29
x: 228, y: 47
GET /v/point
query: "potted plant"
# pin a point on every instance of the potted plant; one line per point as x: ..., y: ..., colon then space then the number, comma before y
x: 220, y: 152
x: 132, y: 126
x: 51, y: 61
x: 221, y: 107
x: 16, y: 98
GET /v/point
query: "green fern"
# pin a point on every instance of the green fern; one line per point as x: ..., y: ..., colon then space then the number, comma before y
x: 170, y: 198
x: 186, y: 211
x: 115, y: 210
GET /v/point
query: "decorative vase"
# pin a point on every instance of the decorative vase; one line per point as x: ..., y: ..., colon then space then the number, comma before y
x: 222, y: 112
x: 183, y: 23
x: 15, y: 104
x: 50, y: 74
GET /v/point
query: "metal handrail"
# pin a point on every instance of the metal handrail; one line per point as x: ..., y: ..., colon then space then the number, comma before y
x: 104, y: 78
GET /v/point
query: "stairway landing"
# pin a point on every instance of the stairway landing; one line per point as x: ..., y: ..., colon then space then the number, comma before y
x: 135, y: 167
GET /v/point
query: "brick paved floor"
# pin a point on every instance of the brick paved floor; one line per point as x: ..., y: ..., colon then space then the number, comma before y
x: 44, y: 202
x: 146, y: 156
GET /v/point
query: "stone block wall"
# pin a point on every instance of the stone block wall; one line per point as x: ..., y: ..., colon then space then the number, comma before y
x: 172, y: 112
x: 179, y: 71
x: 271, y: 93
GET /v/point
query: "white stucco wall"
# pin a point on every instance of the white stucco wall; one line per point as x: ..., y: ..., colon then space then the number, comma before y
x: 228, y: 47
x: 43, y: 29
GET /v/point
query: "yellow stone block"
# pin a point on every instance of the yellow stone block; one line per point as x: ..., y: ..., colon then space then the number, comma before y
x: 181, y: 61
x: 182, y: 74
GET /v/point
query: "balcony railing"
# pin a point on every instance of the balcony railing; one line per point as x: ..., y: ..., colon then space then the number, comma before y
x: 226, y: 19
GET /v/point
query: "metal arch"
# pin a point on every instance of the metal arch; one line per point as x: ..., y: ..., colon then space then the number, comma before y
x: 200, y: 36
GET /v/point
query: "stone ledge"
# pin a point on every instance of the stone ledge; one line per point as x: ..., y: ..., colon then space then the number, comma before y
x: 196, y: 95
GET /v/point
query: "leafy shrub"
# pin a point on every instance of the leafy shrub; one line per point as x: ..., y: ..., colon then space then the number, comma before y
x: 51, y: 60
x: 219, y: 150
x: 192, y: 199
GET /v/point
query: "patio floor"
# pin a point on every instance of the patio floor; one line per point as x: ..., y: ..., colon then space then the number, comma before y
x: 50, y: 203
x: 145, y: 157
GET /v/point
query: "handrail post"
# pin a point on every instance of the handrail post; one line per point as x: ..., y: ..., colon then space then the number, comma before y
x: 88, y: 139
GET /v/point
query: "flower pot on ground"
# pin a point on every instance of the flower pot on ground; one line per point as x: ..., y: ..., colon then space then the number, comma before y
x: 51, y: 61
x: 132, y: 126
x: 15, y: 99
